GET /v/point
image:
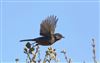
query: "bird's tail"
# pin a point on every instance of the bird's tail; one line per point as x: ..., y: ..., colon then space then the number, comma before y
x: 27, y: 40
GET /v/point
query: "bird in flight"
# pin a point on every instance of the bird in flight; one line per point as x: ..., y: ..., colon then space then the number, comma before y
x: 47, y: 32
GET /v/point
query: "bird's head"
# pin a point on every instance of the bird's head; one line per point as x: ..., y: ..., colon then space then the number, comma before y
x: 58, y: 36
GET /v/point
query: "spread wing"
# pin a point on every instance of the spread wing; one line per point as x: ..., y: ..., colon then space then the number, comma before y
x: 47, y: 27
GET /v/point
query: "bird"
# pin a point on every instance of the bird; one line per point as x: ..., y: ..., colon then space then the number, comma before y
x: 47, y: 32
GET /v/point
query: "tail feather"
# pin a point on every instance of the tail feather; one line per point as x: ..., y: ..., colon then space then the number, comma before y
x: 27, y: 40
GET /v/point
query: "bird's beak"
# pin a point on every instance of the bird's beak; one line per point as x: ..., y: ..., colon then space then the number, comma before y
x: 63, y: 37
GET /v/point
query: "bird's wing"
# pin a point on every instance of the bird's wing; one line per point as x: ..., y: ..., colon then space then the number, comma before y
x: 47, y: 27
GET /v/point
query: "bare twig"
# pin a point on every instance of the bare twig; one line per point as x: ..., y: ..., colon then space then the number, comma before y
x: 94, y: 51
x: 68, y: 60
x: 34, y: 55
x: 83, y: 61
x: 17, y: 60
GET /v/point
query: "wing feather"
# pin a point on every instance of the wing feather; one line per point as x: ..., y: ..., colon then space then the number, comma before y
x: 47, y: 27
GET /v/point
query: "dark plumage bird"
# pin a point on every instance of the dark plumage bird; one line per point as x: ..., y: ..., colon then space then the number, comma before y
x: 47, y: 29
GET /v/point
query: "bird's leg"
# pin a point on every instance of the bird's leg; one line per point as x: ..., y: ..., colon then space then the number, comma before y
x: 35, y: 45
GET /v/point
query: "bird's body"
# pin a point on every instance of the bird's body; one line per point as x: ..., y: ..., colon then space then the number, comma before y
x: 40, y: 40
x: 48, y: 37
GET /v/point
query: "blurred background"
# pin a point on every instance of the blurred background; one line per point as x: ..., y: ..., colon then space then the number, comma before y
x: 78, y: 22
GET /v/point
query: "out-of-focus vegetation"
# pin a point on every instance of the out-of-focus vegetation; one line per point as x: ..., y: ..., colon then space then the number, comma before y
x: 33, y: 53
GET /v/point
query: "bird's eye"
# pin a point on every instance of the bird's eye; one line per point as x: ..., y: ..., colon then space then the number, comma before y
x: 57, y: 37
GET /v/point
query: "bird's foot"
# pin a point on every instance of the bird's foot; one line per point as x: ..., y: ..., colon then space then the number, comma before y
x: 34, y: 45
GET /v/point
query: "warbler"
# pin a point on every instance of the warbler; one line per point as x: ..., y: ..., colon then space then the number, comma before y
x: 47, y: 32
